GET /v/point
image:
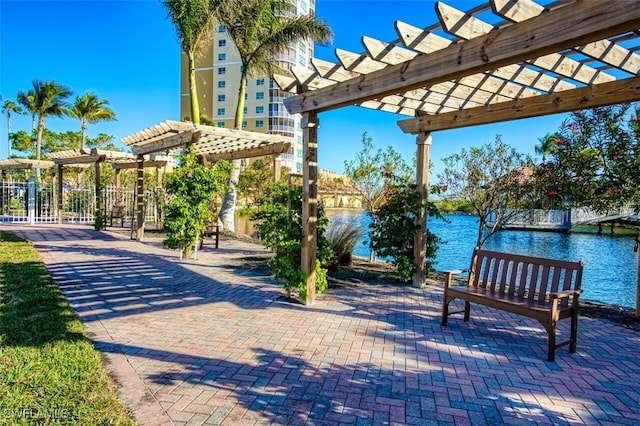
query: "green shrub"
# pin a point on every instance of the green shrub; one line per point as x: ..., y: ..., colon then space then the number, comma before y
x: 278, y: 214
x: 192, y: 187
x: 393, y: 231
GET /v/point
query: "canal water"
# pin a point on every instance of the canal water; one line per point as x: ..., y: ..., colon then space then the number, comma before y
x: 610, y: 271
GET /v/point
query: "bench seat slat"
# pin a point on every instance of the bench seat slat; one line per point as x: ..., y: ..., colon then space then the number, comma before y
x: 506, y: 302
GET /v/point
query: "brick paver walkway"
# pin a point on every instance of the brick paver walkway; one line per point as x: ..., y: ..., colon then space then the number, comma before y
x: 195, y: 343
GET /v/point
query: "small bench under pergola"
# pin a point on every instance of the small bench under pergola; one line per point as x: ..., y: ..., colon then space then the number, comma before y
x: 504, y: 60
x: 210, y: 144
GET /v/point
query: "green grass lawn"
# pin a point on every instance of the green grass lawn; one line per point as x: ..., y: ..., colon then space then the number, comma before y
x: 49, y: 371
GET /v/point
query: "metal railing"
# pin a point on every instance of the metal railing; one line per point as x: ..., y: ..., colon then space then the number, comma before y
x: 38, y: 203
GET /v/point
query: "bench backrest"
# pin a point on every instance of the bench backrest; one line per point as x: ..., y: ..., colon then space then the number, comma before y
x: 521, y: 276
x: 117, y: 212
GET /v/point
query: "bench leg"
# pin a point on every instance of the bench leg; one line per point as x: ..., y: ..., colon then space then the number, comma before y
x: 445, y: 310
x: 574, y: 332
x: 551, y: 353
x: 467, y: 310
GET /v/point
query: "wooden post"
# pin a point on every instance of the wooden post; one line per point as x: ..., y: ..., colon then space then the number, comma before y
x: 309, y: 244
x: 96, y: 168
x: 638, y: 278
x: 4, y: 200
x: 60, y: 194
x: 423, y: 142
x: 140, y: 198
x: 118, y: 187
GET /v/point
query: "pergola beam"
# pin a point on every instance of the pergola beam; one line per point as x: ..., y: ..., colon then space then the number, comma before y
x: 627, y: 90
x: 163, y: 144
x: 272, y: 149
x: 25, y: 164
x: 134, y: 164
x: 563, y: 28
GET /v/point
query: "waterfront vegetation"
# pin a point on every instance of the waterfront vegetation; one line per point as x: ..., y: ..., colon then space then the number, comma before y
x: 49, y: 371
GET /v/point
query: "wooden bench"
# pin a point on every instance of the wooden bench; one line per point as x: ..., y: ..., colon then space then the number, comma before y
x: 544, y: 289
x: 117, y: 212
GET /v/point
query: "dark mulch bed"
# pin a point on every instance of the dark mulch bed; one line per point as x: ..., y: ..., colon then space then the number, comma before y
x: 617, y: 314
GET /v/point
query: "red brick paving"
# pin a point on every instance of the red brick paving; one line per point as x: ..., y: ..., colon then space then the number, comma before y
x: 195, y: 343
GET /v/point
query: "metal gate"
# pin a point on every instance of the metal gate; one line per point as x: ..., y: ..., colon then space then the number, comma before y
x: 29, y: 202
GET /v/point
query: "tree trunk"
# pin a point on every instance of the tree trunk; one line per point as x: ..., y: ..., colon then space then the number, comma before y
x: 83, y: 135
x: 39, y: 145
x: 193, y: 91
x: 228, y: 207
x: 9, y: 135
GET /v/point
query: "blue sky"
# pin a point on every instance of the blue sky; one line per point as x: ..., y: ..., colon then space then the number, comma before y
x: 126, y: 52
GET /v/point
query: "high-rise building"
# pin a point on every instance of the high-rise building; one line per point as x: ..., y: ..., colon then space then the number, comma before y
x: 218, y: 80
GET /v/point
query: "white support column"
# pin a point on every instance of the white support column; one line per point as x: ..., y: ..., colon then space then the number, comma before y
x: 309, y: 244
x: 31, y: 201
x: 423, y: 142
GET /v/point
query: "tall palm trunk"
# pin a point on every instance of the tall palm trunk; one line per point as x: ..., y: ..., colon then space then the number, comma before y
x: 84, y: 134
x: 228, y: 207
x: 193, y: 93
x: 39, y: 144
x: 8, y: 135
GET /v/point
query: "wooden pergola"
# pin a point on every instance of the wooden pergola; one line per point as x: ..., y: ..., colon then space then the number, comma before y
x: 504, y: 60
x: 23, y: 164
x: 209, y: 143
x: 83, y: 158
x: 18, y: 164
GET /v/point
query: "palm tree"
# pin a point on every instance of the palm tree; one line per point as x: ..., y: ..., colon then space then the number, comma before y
x: 89, y: 109
x: 49, y: 100
x: 546, y: 146
x: 194, y: 20
x: 28, y: 101
x: 261, y: 30
x: 7, y: 108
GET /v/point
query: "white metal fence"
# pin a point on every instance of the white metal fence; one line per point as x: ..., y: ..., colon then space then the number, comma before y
x: 29, y: 202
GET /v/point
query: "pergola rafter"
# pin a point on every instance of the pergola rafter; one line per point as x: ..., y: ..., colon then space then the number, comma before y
x: 542, y: 44
x: 503, y: 60
x: 82, y: 158
x: 24, y: 164
x: 209, y: 143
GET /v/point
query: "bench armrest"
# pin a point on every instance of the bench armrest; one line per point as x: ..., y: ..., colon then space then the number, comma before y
x: 554, y: 298
x: 449, y: 275
x: 456, y: 271
x: 565, y: 293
